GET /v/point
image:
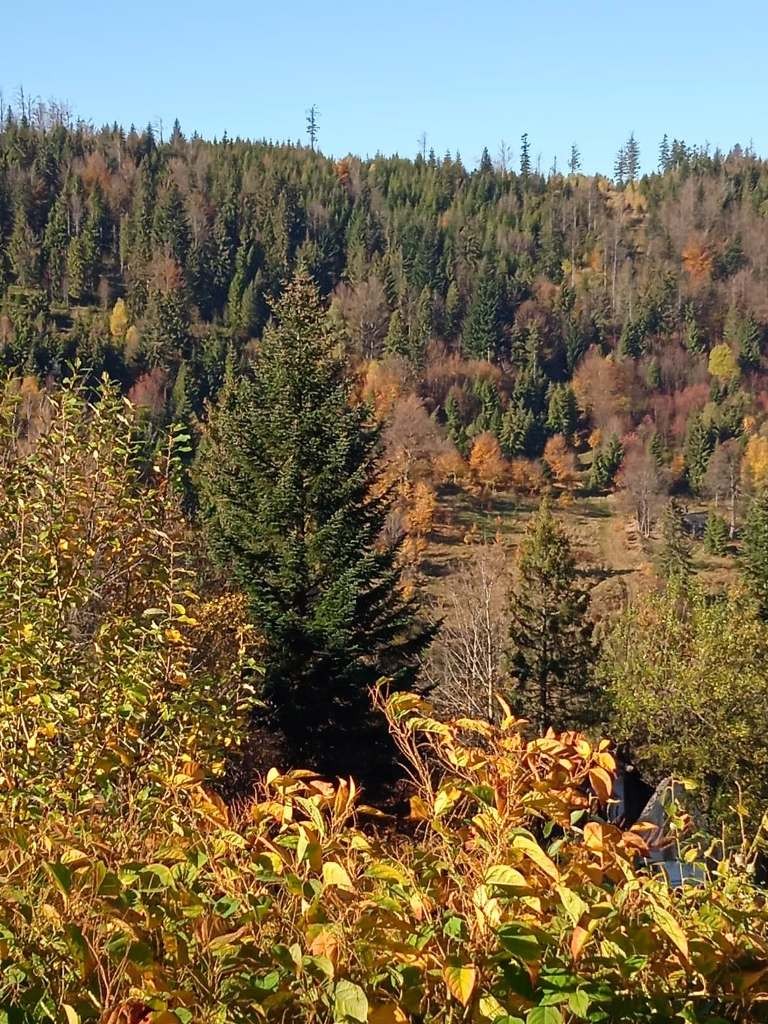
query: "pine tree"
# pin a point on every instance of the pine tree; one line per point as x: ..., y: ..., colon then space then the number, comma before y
x: 525, y: 157
x: 452, y: 311
x: 489, y: 417
x: 454, y: 424
x: 749, y: 344
x: 396, y: 342
x: 691, y: 334
x: 286, y: 497
x: 166, y: 331
x: 632, y: 158
x: 698, y: 451
x: 171, y: 227
x: 481, y: 325
x: 656, y: 448
x: 422, y: 327
x: 55, y: 241
x: 562, y: 411
x: 553, y: 649
x: 574, y: 163
x: 517, y: 429
x: 754, y: 552
x: 605, y: 464
x: 664, y: 154
x: 632, y: 341
x: 716, y: 535
x: 675, y: 555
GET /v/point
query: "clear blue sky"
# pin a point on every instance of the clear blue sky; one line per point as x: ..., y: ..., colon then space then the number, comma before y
x: 468, y: 74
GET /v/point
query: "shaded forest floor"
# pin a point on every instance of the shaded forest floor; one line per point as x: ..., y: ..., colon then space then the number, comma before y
x: 617, y: 562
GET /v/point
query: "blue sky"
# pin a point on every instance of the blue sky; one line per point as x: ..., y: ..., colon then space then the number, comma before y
x: 468, y: 74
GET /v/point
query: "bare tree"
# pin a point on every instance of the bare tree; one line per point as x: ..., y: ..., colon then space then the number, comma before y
x: 642, y: 488
x: 723, y: 479
x: 464, y: 664
x: 364, y: 309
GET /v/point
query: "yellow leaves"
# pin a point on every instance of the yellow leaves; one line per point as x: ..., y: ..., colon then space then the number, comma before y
x: 579, y: 938
x: 419, y: 810
x: 118, y: 320
x: 325, y: 942
x: 173, y: 636
x: 755, y: 465
x: 722, y: 363
x: 574, y: 905
x: 386, y: 1013
x: 486, y: 461
x: 670, y: 927
x: 446, y: 799
x: 335, y: 874
x: 697, y: 260
x: 460, y: 981
x: 506, y: 877
x: 534, y: 852
x: 601, y: 783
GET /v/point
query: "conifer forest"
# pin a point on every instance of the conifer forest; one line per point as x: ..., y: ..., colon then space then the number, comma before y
x: 383, y: 582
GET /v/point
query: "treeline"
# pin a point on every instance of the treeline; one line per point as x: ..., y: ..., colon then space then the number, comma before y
x: 158, y: 260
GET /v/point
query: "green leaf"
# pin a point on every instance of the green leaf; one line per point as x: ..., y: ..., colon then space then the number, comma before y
x: 61, y: 877
x: 350, y: 1002
x: 520, y: 942
x: 544, y: 1015
x: 578, y: 1003
x: 162, y: 873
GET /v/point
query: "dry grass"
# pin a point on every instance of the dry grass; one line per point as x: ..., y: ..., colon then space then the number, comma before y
x: 617, y: 562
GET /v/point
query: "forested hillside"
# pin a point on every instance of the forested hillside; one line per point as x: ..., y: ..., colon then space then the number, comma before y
x: 315, y: 476
x: 547, y: 310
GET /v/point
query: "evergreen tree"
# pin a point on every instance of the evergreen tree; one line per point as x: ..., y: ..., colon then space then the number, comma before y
x: 632, y: 341
x: 171, y: 227
x: 716, y: 534
x: 691, y: 334
x: 454, y: 424
x: 165, y: 335
x: 525, y: 157
x: 664, y: 154
x: 396, y: 342
x: 574, y: 163
x: 518, y: 428
x: 481, y: 326
x: 421, y: 330
x: 749, y: 344
x: 675, y: 555
x: 656, y: 448
x: 553, y: 649
x: 754, y: 552
x: 55, y: 241
x: 452, y: 311
x: 286, y: 497
x: 489, y: 418
x: 698, y: 451
x: 563, y: 410
x: 605, y: 464
x: 632, y: 158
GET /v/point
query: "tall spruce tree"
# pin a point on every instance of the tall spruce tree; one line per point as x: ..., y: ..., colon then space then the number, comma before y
x: 675, y: 555
x: 553, y: 650
x: 287, y: 500
x: 481, y: 325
